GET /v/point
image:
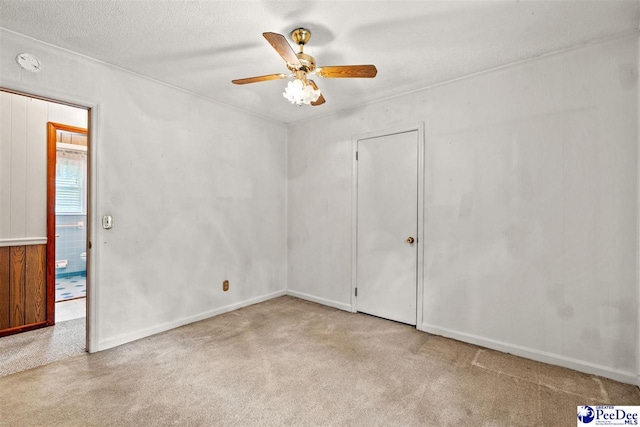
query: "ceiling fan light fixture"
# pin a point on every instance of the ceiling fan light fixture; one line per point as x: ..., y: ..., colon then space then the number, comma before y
x: 300, y: 92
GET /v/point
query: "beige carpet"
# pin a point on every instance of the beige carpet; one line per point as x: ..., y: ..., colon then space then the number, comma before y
x: 291, y: 362
x: 36, y: 348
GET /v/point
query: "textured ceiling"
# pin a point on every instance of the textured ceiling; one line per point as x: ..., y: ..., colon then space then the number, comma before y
x: 201, y: 46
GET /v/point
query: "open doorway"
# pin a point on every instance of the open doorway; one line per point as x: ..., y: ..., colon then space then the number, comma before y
x: 67, y: 210
x: 32, y: 333
x: 29, y: 156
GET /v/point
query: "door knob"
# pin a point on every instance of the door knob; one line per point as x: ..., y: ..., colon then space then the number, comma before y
x: 410, y: 240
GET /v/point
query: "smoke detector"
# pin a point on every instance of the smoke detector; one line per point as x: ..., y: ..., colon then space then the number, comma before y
x: 28, y: 62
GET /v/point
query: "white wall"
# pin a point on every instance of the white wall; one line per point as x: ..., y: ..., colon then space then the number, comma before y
x: 638, y: 239
x: 530, y: 206
x: 196, y: 189
x: 23, y: 164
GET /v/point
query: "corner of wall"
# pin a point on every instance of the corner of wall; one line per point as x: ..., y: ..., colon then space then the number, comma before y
x: 156, y: 329
x: 534, y: 354
x: 286, y: 208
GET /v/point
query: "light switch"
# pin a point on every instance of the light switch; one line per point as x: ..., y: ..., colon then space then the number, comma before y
x: 107, y: 222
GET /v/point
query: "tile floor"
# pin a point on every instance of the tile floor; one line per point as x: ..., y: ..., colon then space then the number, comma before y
x: 71, y: 287
x: 69, y: 310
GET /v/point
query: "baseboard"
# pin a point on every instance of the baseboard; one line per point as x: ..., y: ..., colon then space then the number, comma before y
x: 319, y: 300
x: 143, y: 333
x: 537, y: 355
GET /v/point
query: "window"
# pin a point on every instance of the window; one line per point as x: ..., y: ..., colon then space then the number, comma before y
x: 71, y: 169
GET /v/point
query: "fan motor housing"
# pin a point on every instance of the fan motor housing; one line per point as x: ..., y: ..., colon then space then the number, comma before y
x: 308, y: 63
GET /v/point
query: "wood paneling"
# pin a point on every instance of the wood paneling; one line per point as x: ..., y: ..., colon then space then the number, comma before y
x: 35, y: 308
x: 71, y: 138
x: 23, y: 126
x: 78, y: 139
x: 73, y: 116
x: 4, y: 287
x: 5, y: 165
x: 24, y: 328
x: 36, y: 190
x: 23, y: 288
x: 17, y: 285
x: 27, y: 200
x: 19, y: 167
x: 64, y: 137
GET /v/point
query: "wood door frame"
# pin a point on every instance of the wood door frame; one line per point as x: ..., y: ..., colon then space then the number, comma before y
x: 419, y: 128
x: 52, y: 129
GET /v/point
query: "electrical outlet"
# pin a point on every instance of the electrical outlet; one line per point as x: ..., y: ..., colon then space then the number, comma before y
x: 225, y: 285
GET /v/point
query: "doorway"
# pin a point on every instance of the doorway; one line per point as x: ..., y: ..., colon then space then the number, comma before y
x: 388, y: 224
x: 67, y: 210
x: 27, y: 231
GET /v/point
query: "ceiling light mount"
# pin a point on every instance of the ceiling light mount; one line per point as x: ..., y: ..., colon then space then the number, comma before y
x: 300, y: 36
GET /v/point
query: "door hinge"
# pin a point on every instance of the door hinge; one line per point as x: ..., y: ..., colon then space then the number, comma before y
x: 356, y: 291
x: 356, y: 156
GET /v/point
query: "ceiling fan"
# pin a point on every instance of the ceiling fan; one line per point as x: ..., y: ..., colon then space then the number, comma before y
x: 302, y: 90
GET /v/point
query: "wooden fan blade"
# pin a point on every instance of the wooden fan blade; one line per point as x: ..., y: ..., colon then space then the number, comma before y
x: 259, y: 79
x: 320, y: 100
x: 281, y: 45
x: 344, y: 71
